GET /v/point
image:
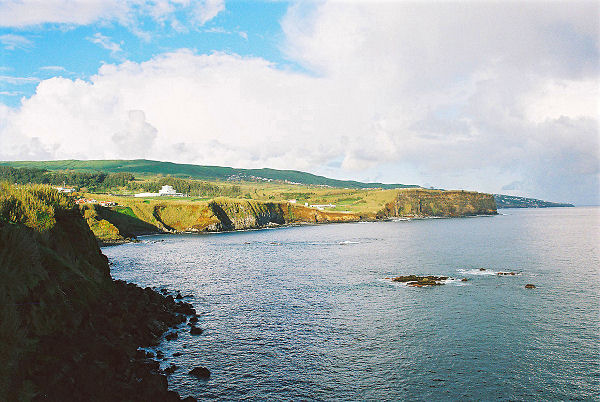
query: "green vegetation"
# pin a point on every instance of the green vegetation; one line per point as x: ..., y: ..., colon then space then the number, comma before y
x: 243, y: 204
x: 32, y: 206
x: 190, y: 187
x: 98, y: 181
x: 144, y: 167
x: 421, y: 202
x: 50, y: 266
x: 510, y: 201
x: 67, y: 331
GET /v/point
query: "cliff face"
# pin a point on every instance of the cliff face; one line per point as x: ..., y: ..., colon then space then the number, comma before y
x: 67, y: 330
x: 225, y: 214
x: 237, y: 214
x: 221, y: 214
x: 423, y: 203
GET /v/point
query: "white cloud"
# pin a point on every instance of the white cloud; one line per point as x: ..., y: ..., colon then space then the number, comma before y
x: 12, y: 42
x: 11, y: 93
x: 206, y: 10
x: 9, y: 79
x: 106, y: 43
x: 23, y: 13
x: 459, y: 96
x: 52, y: 68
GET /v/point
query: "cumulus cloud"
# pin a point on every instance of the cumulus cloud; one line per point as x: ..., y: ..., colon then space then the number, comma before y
x: 473, y: 95
x: 137, y: 138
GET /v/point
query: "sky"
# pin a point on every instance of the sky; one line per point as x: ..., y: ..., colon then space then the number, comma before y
x: 492, y: 96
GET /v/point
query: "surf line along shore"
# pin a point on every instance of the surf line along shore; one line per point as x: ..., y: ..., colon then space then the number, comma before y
x: 69, y: 331
x: 219, y: 215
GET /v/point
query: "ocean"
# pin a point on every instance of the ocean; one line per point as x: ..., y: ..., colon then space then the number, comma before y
x: 309, y: 312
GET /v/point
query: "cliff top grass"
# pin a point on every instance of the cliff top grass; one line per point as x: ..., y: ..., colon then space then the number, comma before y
x: 357, y: 201
x: 34, y: 206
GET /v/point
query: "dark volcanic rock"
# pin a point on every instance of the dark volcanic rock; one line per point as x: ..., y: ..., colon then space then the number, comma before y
x: 420, y: 281
x: 464, y: 280
x: 196, y: 331
x: 530, y: 286
x: 506, y: 273
x: 74, y: 332
x: 171, y: 369
x: 171, y: 335
x: 200, y: 372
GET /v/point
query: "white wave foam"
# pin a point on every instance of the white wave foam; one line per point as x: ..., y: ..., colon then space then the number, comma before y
x: 342, y: 243
x: 487, y: 271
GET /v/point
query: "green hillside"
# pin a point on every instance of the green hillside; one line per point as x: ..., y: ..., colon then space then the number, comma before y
x: 152, y: 168
x: 511, y: 201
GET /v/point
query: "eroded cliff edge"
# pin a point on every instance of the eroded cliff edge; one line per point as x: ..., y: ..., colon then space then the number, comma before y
x: 226, y: 214
x: 438, y: 203
x: 67, y: 330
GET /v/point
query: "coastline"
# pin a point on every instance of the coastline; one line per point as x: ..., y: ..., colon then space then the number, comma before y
x: 69, y: 330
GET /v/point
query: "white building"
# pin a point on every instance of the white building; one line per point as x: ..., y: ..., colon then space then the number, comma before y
x: 320, y: 207
x: 65, y: 189
x: 164, y: 191
x: 170, y: 191
x: 146, y: 195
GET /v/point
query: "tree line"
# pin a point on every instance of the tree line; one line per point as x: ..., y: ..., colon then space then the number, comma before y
x: 96, y: 181
x: 101, y: 181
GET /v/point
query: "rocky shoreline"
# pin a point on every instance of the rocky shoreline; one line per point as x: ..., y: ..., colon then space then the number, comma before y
x: 68, y: 331
x: 101, y: 359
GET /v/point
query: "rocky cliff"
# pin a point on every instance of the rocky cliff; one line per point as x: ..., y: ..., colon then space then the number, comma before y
x: 221, y: 214
x: 238, y: 214
x: 67, y: 330
x: 225, y: 214
x: 425, y: 203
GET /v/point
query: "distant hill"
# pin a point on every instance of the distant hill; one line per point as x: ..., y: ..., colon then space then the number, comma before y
x: 152, y: 168
x: 510, y: 201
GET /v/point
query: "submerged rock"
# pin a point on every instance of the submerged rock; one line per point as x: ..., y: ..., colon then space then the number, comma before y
x: 171, y: 369
x: 530, y: 286
x: 200, y: 372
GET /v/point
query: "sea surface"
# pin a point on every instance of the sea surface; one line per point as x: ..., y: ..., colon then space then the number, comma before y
x: 308, y: 312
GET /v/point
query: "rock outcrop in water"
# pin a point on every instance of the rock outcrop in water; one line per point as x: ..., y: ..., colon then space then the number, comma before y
x: 67, y: 330
x: 420, y: 281
x: 438, y: 203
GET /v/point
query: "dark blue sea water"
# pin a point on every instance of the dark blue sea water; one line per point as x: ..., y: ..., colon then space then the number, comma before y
x: 305, y: 313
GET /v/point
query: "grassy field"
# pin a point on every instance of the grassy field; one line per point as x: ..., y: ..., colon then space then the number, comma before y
x: 148, y: 168
x: 360, y: 201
